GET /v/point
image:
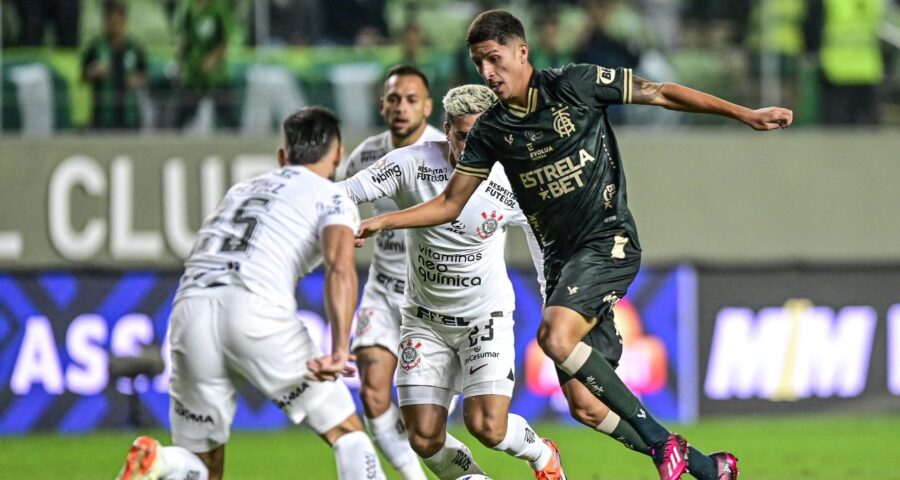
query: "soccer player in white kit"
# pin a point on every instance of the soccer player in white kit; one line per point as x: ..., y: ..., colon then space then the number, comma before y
x: 235, y: 311
x: 405, y: 106
x: 457, y: 329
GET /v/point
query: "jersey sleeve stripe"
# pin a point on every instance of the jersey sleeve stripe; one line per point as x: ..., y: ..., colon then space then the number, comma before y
x: 473, y: 169
x: 471, y: 173
x: 628, y: 86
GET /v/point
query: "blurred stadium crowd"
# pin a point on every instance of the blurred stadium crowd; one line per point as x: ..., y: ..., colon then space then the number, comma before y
x: 199, y: 66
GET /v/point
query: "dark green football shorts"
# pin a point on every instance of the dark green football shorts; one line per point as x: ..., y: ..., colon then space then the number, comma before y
x: 590, y: 282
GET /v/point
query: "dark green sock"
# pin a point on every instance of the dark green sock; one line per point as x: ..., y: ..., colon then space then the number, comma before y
x: 601, y: 380
x: 624, y: 434
x: 700, y: 466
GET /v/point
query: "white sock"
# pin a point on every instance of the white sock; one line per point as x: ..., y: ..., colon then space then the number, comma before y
x: 390, y: 436
x: 180, y: 464
x: 356, y: 458
x: 521, y: 442
x: 412, y: 471
x: 452, y: 461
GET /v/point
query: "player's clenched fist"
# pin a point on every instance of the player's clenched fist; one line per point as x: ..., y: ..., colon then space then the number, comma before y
x: 770, y: 118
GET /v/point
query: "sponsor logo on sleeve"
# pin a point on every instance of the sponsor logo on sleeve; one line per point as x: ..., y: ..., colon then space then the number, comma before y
x: 609, y: 193
x: 501, y: 193
x: 605, y: 75
x: 385, y: 172
x: 432, y: 174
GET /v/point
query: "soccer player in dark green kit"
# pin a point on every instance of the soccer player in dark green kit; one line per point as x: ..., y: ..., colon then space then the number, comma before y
x: 551, y: 133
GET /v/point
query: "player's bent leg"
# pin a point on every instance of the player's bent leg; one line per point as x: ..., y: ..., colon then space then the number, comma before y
x: 590, y: 411
x: 560, y: 331
x: 426, y: 425
x: 593, y: 370
x: 425, y: 415
x: 334, y: 419
x: 382, y: 418
x: 202, y: 398
x: 376, y: 372
x: 354, y: 453
x: 488, y: 419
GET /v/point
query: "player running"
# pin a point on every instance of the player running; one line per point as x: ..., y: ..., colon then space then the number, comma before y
x: 551, y: 134
x: 235, y: 311
x: 457, y: 330
x: 405, y: 106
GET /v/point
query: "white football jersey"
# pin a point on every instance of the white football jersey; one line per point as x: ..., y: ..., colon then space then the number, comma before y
x: 389, y: 254
x: 456, y: 269
x: 265, y: 234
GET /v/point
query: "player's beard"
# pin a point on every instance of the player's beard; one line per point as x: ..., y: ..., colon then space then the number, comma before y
x: 407, y: 132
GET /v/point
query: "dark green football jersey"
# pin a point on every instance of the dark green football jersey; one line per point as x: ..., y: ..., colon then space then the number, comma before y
x: 561, y: 157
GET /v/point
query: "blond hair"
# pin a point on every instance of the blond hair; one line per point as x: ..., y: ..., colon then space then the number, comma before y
x: 468, y: 100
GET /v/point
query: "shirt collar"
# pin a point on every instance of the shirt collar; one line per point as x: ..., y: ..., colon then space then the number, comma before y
x: 531, y: 96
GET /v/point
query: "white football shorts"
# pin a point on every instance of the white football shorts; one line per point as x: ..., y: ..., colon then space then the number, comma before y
x: 378, y: 317
x: 222, y: 329
x: 440, y: 356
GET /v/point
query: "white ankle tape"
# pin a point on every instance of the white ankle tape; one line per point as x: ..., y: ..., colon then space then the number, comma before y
x: 576, y: 359
x: 609, y: 423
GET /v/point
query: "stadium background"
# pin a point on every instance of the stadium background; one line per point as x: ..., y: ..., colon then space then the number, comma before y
x: 769, y: 301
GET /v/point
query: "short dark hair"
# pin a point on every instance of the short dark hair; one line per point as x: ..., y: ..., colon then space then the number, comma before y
x: 497, y: 25
x: 308, y: 134
x: 114, y: 6
x: 407, y: 69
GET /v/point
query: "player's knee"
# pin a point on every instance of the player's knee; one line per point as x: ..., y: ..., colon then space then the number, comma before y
x: 490, y: 434
x: 425, y: 444
x: 487, y: 428
x: 554, y: 343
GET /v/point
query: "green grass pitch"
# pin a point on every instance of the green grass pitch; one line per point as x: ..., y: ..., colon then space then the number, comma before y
x: 776, y: 448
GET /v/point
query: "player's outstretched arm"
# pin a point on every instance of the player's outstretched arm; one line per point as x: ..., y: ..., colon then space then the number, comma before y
x: 678, y: 97
x: 440, y: 209
x: 340, y: 302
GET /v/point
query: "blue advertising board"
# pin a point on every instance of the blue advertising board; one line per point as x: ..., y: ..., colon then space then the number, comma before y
x: 61, y: 331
